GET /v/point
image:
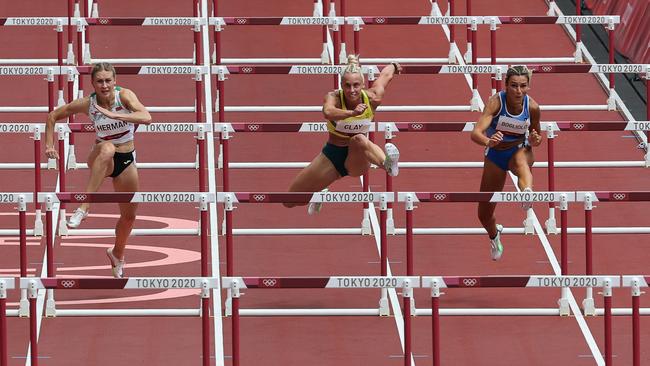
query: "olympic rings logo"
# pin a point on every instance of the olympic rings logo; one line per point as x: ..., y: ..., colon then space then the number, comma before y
x: 241, y: 20
x: 269, y: 282
x: 80, y: 197
x: 547, y: 68
x: 68, y: 283
x: 380, y: 20
x: 247, y: 70
x: 469, y: 282
x: 517, y: 20
x: 89, y: 127
x: 618, y: 196
x: 578, y: 126
x: 253, y: 127
x: 439, y: 196
x: 259, y: 197
x: 104, y: 21
x: 417, y: 126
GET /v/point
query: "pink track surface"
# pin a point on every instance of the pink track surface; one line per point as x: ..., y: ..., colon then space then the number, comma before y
x: 353, y: 340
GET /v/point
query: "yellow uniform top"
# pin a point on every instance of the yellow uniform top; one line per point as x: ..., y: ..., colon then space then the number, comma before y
x: 352, y: 125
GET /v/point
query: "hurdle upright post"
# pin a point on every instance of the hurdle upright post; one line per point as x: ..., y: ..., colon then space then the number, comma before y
x: 588, y: 303
x: 407, y: 294
x: 32, y: 292
x: 409, y: 234
x: 435, y: 321
x: 607, y: 294
x: 564, y: 253
x: 493, y: 50
x: 3, y: 323
x: 551, y: 223
x: 234, y: 295
x: 636, y: 321
x: 205, y: 321
x: 22, y: 224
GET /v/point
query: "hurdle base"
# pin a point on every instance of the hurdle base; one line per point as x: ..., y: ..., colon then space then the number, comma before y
x: 50, y: 308
x: 384, y: 309
x: 23, y: 309
x: 551, y: 226
x: 227, y: 306
x: 588, y: 307
x: 38, y: 224
x: 365, y: 223
x: 529, y: 223
x: 390, y: 222
x: 563, y: 304
x: 63, y: 225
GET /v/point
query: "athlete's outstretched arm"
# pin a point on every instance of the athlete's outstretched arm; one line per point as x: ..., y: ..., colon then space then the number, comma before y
x: 478, y: 133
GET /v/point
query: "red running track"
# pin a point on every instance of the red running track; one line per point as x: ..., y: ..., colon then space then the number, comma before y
x: 351, y: 340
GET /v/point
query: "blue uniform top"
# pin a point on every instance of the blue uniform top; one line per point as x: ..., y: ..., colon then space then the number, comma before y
x: 513, y: 127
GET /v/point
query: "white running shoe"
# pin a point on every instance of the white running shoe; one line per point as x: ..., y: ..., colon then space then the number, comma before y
x: 392, y: 157
x: 314, y: 207
x: 77, y: 217
x: 527, y: 205
x: 496, y: 248
x: 116, y: 264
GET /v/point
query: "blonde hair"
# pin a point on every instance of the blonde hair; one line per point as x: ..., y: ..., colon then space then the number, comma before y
x: 353, y: 67
x: 519, y: 70
x: 102, y: 66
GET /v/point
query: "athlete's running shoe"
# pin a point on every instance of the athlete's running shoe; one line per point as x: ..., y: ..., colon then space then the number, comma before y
x: 116, y: 264
x: 315, y: 207
x: 77, y: 217
x: 496, y: 248
x: 392, y: 157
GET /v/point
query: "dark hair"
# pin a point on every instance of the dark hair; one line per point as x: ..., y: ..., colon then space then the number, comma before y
x: 519, y: 70
x: 102, y: 66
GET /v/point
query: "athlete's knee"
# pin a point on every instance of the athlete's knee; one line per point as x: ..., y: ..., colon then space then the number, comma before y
x: 105, y: 150
x: 127, y: 218
x: 359, y: 141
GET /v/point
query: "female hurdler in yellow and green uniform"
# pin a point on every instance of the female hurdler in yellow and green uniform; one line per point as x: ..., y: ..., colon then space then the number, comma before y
x: 348, y: 151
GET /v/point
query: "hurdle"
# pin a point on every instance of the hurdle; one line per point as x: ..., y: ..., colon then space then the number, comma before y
x: 410, y: 199
x: 436, y: 284
x: 229, y: 199
x: 392, y: 128
x: 236, y: 284
x: 51, y: 199
x: 64, y: 130
x: 589, y: 199
x: 6, y: 283
x: 205, y: 284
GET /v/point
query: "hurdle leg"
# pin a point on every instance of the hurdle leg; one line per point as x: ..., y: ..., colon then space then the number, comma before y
x: 3, y: 324
x: 435, y: 323
x: 565, y: 310
x: 33, y: 331
x: 588, y: 306
x: 407, y: 293
x: 607, y: 294
x: 636, y: 324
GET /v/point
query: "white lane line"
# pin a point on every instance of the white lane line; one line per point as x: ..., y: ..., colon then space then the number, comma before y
x: 392, y: 294
x: 219, y: 353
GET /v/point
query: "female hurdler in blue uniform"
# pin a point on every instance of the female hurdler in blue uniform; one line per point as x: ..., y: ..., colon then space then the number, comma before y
x: 349, y: 112
x: 508, y: 128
